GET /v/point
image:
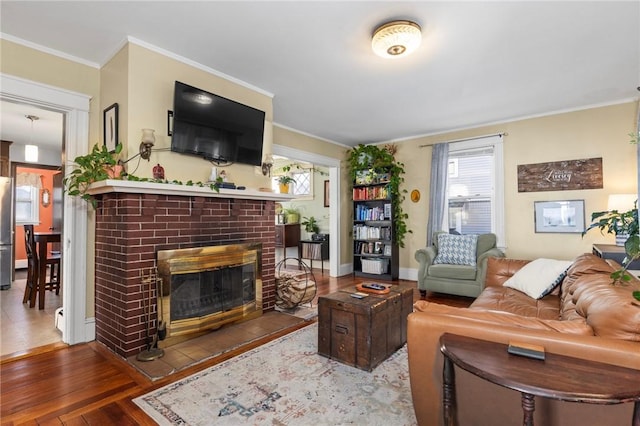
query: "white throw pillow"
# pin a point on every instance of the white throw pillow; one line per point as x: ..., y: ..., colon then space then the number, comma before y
x: 539, y: 277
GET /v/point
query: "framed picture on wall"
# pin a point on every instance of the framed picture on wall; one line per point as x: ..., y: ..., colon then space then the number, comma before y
x: 110, y: 123
x: 559, y: 216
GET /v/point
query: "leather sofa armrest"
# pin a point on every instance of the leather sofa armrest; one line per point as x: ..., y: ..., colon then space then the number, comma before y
x: 482, y: 264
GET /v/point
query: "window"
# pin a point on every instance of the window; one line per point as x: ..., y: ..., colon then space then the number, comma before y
x: 475, y: 187
x: 303, y: 185
x: 27, y: 211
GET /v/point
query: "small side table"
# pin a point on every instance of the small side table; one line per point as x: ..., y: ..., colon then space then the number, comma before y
x: 614, y: 252
x: 314, y: 250
x: 558, y: 377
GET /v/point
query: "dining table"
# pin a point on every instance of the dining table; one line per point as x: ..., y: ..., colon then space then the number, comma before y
x: 42, y: 240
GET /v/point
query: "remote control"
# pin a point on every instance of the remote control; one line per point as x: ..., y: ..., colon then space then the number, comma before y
x: 526, y: 350
x: 359, y: 295
x: 374, y: 286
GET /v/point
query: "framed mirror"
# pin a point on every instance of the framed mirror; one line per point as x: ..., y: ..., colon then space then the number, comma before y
x: 46, y: 198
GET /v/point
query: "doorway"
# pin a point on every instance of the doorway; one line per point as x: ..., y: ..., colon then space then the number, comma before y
x: 333, y: 165
x: 76, y: 327
x: 37, y: 193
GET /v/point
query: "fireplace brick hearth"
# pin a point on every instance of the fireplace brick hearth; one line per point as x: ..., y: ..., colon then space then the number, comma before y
x: 132, y: 227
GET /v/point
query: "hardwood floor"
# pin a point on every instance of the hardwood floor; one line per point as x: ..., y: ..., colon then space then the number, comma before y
x: 87, y: 384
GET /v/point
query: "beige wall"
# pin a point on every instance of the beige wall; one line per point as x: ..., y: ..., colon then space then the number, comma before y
x: 150, y: 84
x: 597, y: 132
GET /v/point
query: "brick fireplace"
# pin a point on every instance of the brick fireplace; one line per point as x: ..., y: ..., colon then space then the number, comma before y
x: 133, y: 223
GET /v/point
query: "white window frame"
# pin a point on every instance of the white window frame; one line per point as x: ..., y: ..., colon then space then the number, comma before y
x: 308, y: 171
x: 34, y: 215
x: 497, y: 196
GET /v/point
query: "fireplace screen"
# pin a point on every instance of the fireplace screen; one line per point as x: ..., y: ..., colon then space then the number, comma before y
x: 203, y: 293
x: 206, y: 287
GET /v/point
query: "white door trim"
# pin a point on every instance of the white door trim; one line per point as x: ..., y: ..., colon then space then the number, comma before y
x: 75, y: 107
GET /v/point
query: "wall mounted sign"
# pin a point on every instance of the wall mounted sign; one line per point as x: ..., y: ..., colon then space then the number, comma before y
x: 560, y: 175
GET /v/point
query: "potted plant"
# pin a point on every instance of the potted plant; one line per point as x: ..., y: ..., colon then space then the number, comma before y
x: 310, y: 224
x: 284, y: 181
x: 623, y: 225
x: 99, y: 164
x: 292, y: 214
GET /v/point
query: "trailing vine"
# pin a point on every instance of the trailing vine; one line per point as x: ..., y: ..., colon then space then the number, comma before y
x: 376, y: 160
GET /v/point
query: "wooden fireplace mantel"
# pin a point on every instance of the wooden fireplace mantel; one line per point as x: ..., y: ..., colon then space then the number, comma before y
x: 135, y: 187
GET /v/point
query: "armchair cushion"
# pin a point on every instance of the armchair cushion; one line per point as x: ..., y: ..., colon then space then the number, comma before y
x: 454, y: 272
x: 539, y: 277
x: 456, y: 249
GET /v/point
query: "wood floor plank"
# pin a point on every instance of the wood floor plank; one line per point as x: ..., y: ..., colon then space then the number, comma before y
x: 87, y: 384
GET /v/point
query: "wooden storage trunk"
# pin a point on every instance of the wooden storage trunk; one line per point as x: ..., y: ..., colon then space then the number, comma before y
x: 363, y: 332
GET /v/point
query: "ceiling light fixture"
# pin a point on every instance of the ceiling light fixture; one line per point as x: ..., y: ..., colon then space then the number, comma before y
x: 396, y: 38
x: 31, y: 150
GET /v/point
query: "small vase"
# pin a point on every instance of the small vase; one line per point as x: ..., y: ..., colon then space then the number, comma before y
x: 158, y: 172
x: 114, y: 172
x: 284, y: 188
x: 621, y: 239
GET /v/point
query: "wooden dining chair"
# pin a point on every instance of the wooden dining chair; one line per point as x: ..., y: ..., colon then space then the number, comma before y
x: 33, y: 269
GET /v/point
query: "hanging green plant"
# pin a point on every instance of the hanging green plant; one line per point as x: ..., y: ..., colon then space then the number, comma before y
x: 374, y: 159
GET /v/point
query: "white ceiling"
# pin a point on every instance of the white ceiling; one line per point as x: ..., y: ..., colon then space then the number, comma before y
x: 479, y: 63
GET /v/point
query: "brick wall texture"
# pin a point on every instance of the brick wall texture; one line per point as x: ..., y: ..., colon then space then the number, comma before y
x: 131, y: 228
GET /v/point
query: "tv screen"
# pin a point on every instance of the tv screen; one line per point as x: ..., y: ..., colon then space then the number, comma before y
x: 216, y: 128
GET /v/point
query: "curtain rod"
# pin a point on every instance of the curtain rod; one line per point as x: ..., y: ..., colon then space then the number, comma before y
x: 468, y: 139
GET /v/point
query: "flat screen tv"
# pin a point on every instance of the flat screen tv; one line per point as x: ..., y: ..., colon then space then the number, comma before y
x: 216, y: 128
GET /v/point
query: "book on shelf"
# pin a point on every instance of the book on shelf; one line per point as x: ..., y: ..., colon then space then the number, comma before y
x: 369, y: 213
x: 370, y: 193
x: 311, y: 251
x: 365, y: 232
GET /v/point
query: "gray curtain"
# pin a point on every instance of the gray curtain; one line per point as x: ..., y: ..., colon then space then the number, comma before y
x: 438, y: 186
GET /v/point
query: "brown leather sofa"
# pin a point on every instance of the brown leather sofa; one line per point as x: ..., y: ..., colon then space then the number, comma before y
x: 586, y: 317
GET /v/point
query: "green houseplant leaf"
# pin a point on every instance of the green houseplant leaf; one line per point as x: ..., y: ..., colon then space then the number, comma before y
x: 95, y: 166
x: 310, y: 224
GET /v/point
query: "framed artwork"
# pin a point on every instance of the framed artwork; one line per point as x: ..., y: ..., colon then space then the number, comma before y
x: 559, y: 216
x: 46, y: 198
x: 110, y: 123
x: 326, y: 193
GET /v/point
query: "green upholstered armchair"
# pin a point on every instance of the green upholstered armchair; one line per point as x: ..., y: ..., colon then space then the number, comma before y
x: 463, y: 280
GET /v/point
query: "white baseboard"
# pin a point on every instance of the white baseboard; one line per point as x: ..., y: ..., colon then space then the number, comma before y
x: 90, y: 329
x: 408, y: 274
x: 21, y: 264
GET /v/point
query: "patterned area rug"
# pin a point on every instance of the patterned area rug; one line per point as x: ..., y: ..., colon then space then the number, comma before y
x: 286, y: 382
